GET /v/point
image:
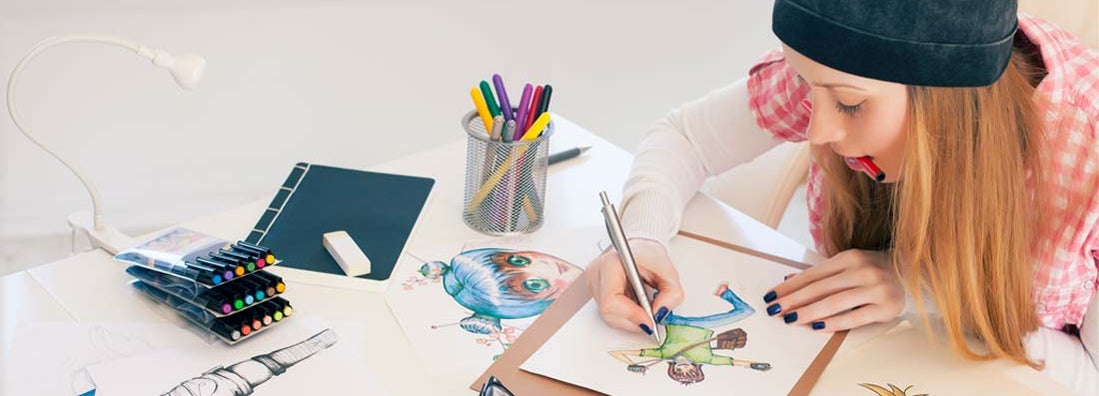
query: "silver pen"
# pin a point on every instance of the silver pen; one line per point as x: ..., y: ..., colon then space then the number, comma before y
x: 618, y: 239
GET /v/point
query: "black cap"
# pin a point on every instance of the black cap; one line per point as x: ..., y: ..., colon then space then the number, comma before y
x: 944, y: 43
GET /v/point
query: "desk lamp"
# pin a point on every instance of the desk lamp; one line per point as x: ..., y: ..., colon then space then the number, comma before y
x: 186, y: 70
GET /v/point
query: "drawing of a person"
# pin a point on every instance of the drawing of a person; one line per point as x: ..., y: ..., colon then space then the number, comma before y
x: 498, y: 283
x: 893, y: 390
x: 690, y: 342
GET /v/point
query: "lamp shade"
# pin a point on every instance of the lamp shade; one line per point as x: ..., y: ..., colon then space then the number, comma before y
x: 186, y: 69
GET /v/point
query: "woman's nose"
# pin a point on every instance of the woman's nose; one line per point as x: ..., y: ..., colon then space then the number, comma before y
x: 824, y: 128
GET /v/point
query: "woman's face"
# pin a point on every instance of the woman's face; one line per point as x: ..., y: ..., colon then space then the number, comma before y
x: 536, y: 275
x: 854, y: 116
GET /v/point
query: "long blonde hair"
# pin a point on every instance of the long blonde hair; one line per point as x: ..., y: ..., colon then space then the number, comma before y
x: 958, y: 221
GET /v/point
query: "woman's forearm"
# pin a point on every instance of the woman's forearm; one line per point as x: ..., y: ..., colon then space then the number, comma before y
x: 702, y: 138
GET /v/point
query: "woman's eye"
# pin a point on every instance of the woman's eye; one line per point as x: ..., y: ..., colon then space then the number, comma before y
x: 518, y: 261
x: 536, y: 284
x: 849, y: 110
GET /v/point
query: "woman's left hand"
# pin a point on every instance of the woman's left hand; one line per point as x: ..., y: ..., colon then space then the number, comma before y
x: 851, y: 289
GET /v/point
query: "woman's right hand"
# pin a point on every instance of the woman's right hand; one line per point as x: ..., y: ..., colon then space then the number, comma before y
x: 612, y: 291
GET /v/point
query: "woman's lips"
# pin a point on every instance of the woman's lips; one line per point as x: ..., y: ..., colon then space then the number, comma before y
x: 853, y: 164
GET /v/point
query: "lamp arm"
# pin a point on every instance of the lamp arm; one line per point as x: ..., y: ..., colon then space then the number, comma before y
x: 14, y: 78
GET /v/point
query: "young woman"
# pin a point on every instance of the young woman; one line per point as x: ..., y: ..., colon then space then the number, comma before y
x: 978, y: 131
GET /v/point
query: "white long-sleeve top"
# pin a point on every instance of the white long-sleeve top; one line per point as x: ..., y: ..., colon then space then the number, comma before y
x: 701, y: 138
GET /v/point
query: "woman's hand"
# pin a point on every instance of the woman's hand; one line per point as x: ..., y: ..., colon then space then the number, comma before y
x: 612, y: 292
x: 851, y: 289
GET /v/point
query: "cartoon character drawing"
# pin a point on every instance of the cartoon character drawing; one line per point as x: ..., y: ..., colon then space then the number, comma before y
x: 893, y: 390
x: 497, y: 283
x: 690, y: 343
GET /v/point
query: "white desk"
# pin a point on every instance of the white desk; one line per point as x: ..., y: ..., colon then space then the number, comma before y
x: 60, y: 291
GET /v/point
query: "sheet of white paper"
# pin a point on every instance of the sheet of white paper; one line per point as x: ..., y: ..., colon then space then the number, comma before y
x: 430, y: 316
x: 906, y: 357
x: 338, y: 369
x: 579, y: 353
x: 50, y: 358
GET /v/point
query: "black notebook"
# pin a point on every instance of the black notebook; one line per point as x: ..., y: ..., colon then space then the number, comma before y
x: 378, y: 210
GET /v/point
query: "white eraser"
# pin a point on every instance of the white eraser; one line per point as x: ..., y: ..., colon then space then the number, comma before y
x: 347, y: 253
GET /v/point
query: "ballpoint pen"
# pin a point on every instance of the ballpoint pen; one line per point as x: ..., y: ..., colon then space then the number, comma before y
x: 618, y: 239
x: 567, y: 154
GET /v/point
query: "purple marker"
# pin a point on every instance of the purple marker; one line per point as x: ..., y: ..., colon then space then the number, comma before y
x: 521, y: 117
x: 505, y: 104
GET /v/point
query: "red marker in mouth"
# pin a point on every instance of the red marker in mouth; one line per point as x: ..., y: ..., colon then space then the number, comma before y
x: 871, y: 169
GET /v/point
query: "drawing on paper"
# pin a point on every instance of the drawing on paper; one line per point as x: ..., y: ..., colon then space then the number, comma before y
x: 242, y: 378
x: 893, y: 390
x: 690, y: 343
x: 497, y: 284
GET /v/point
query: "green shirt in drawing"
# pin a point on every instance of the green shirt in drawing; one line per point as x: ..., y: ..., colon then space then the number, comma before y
x: 682, y: 336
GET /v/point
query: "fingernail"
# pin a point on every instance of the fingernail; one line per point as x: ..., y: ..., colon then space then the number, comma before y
x: 660, y: 314
x: 646, y: 329
x: 788, y: 276
x: 770, y: 296
x: 773, y: 309
x: 818, y: 325
x: 790, y: 317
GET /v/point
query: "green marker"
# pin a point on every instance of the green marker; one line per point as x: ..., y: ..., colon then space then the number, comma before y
x: 486, y: 90
x: 238, y: 304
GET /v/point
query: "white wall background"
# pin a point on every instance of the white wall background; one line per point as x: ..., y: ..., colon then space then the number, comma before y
x: 347, y: 83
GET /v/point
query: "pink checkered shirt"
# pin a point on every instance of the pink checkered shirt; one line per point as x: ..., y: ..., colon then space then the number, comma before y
x: 1069, y: 243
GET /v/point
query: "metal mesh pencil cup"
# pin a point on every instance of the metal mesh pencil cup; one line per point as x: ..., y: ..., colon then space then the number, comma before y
x: 505, y: 184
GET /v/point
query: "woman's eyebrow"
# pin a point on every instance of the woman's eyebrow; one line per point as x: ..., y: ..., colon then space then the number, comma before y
x: 828, y: 85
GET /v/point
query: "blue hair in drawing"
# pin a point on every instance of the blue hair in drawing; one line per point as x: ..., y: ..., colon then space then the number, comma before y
x: 499, y: 284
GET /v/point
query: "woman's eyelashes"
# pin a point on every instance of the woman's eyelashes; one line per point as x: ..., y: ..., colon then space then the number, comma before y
x: 852, y: 110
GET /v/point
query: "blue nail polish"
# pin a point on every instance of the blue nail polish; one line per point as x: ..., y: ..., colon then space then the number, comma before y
x: 818, y: 325
x: 646, y: 329
x: 790, y: 317
x: 771, y: 296
x: 660, y: 314
x: 773, y: 309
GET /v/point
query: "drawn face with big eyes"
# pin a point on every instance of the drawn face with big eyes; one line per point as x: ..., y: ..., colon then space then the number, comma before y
x: 536, y: 275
